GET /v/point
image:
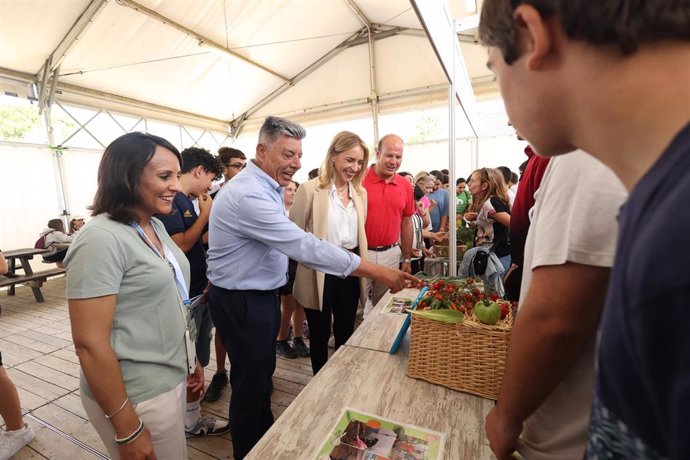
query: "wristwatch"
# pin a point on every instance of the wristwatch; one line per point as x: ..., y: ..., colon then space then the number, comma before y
x: 407, y: 261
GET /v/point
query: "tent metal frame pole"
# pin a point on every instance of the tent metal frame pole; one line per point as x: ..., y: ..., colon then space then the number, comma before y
x: 356, y: 39
x: 56, y: 57
x: 202, y: 40
x: 238, y: 123
x: 46, y: 96
x: 74, y: 94
x: 438, y: 30
x: 373, y: 97
x: 452, y: 199
x: 474, y: 160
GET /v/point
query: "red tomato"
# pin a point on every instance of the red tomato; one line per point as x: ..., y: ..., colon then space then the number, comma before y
x: 505, y: 307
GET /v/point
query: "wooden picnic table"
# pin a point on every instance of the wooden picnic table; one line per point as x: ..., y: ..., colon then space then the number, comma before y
x: 363, y: 376
x: 24, y: 256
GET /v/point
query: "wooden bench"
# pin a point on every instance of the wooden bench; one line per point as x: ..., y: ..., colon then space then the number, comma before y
x: 35, y: 280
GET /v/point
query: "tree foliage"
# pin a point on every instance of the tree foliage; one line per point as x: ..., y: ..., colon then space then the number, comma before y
x: 17, y: 121
x: 428, y: 128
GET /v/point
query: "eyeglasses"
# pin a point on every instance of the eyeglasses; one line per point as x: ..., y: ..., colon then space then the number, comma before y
x: 239, y: 166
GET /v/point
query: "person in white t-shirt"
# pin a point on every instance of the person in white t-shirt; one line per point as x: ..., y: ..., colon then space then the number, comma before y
x: 544, y: 403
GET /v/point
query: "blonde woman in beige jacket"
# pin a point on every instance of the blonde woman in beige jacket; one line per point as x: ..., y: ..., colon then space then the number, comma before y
x: 333, y: 207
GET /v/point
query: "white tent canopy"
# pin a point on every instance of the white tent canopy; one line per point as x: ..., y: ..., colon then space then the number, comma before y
x: 207, y: 73
x: 229, y: 62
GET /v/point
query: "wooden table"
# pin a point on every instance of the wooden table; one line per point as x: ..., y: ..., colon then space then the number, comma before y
x: 24, y: 256
x: 378, y: 331
x: 363, y: 376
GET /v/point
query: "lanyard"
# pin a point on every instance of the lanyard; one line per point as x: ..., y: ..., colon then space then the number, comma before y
x: 190, y: 331
x: 169, y: 257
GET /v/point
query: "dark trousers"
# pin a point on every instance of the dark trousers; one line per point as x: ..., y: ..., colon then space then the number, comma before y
x: 513, y: 284
x: 340, y: 298
x: 248, y: 322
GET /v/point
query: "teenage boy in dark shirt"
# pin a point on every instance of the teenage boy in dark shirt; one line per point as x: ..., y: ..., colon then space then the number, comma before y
x: 185, y: 227
x: 612, y: 79
x: 232, y: 161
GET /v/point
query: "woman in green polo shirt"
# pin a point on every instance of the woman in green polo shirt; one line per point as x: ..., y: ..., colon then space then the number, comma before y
x: 126, y: 288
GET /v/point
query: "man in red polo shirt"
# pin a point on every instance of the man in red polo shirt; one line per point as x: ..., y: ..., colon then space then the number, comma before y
x: 390, y: 205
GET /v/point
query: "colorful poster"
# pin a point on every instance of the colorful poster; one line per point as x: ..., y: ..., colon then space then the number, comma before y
x: 361, y: 436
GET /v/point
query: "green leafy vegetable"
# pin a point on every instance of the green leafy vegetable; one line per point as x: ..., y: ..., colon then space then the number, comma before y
x: 444, y: 316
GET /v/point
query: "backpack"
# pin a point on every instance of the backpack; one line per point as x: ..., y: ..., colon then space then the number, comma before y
x: 41, y: 241
x: 480, y: 261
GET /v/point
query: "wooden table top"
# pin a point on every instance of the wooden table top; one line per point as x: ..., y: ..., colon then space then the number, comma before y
x: 378, y: 331
x: 375, y: 382
x: 25, y: 252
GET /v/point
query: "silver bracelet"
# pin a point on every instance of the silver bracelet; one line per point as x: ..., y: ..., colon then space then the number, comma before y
x: 131, y: 437
x: 117, y: 411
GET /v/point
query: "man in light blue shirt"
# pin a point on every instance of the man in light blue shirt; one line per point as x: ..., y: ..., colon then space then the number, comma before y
x: 250, y: 239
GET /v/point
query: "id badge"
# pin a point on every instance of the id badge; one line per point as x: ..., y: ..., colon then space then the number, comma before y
x: 191, y: 352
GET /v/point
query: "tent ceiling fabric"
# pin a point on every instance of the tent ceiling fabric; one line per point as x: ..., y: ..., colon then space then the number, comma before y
x: 128, y: 53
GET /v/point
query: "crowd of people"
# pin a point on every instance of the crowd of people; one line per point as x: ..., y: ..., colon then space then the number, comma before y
x: 314, y: 253
x: 169, y: 247
x: 171, y: 243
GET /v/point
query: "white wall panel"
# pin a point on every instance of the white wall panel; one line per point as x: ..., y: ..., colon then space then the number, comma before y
x: 29, y: 197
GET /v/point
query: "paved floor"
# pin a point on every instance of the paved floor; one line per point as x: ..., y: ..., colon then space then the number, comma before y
x: 38, y: 353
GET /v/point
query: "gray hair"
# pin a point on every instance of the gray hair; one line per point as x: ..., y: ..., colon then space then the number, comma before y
x: 274, y: 127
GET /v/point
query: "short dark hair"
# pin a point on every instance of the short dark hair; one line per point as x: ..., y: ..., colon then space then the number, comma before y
x: 460, y: 181
x: 514, y: 178
x: 120, y: 170
x: 507, y: 173
x: 445, y: 171
x: 314, y: 173
x: 628, y: 24
x: 225, y: 154
x: 56, y: 224
x: 196, y: 156
x: 436, y: 173
x: 444, y: 179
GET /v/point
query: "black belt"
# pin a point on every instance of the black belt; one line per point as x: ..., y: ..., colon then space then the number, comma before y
x: 382, y: 248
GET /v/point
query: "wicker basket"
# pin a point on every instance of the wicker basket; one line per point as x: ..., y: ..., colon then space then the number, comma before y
x: 467, y: 356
